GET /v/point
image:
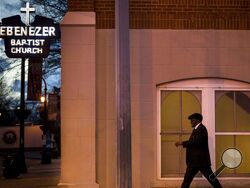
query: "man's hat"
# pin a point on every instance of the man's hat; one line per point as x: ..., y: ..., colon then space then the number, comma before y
x: 195, y: 116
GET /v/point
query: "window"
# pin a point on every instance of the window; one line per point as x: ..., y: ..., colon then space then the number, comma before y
x: 225, y: 105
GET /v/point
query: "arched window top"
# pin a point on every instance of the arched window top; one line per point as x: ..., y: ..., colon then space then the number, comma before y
x: 206, y: 83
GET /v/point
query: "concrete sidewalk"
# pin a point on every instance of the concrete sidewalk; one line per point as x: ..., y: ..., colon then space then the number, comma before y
x: 38, y: 176
x: 48, y: 176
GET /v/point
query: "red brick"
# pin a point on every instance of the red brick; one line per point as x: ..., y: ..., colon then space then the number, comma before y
x: 171, y: 14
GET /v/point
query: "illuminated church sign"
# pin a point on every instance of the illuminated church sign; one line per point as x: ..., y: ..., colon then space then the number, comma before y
x: 28, y: 40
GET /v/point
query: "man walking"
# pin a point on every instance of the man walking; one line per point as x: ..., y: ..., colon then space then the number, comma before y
x: 197, y: 154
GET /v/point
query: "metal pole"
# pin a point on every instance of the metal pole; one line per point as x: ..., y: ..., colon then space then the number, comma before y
x: 45, y: 101
x: 22, y: 163
x: 124, y: 169
x: 46, y: 152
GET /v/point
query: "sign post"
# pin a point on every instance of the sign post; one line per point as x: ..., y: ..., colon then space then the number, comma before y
x: 22, y: 163
x: 27, y: 40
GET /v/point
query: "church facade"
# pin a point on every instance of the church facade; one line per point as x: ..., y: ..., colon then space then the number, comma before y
x: 186, y: 56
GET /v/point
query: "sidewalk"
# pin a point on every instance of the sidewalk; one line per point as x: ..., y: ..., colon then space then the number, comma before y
x: 47, y: 176
x: 38, y: 176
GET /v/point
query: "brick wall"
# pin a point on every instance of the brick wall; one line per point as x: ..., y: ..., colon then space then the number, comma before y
x: 81, y: 5
x: 172, y: 14
x: 105, y: 13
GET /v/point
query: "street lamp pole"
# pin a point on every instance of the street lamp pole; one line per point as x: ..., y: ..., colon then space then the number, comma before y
x: 23, y: 167
x: 46, y: 153
x: 45, y: 101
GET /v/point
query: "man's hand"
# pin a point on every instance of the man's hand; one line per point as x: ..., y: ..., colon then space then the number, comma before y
x: 178, y: 144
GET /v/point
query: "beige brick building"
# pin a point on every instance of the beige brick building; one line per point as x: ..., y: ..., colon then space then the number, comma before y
x: 185, y: 56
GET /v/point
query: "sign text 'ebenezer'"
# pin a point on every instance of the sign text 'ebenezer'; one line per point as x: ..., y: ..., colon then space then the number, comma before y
x: 27, y: 31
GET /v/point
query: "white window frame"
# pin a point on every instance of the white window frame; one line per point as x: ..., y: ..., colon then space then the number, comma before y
x: 208, y: 87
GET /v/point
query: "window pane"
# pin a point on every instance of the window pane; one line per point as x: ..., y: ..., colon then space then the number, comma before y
x: 170, y: 161
x: 190, y: 104
x: 173, y: 159
x: 170, y: 111
x: 235, y: 141
x: 224, y: 112
x: 223, y: 143
x: 243, y: 111
x: 242, y: 144
x: 183, y: 154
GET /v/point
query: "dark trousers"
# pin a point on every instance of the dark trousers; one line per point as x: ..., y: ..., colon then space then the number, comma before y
x: 192, y: 171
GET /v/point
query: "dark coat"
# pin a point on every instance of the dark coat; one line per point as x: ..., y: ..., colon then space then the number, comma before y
x: 197, y: 154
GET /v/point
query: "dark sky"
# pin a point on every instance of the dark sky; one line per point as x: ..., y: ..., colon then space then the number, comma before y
x: 9, y: 8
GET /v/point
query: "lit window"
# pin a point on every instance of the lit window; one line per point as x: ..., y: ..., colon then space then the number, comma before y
x: 232, y: 115
x: 176, y: 106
